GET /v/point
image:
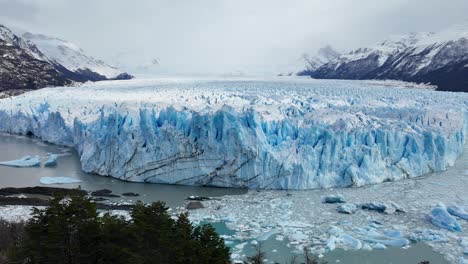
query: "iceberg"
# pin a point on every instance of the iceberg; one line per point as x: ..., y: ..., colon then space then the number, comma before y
x: 464, y: 245
x: 458, y: 211
x: 347, y: 208
x: 247, y: 133
x: 26, y: 161
x: 51, y: 160
x: 441, y: 218
x: 379, y: 246
x: 428, y: 235
x: 333, y: 199
x: 350, y: 241
x: 58, y: 180
x: 401, y: 242
x: 375, y: 206
x: 331, y: 243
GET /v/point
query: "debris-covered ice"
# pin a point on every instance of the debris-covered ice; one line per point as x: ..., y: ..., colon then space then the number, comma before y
x: 254, y: 133
x: 26, y: 161
x: 58, y: 180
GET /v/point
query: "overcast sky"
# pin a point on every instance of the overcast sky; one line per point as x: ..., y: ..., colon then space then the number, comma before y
x: 225, y: 36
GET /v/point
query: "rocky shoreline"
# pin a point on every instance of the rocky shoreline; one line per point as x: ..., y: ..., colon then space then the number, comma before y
x: 40, y: 196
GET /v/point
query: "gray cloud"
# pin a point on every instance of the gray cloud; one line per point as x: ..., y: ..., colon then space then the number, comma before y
x: 217, y: 36
x: 17, y: 12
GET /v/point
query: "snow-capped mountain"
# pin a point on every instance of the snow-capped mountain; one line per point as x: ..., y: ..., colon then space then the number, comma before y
x: 78, y: 65
x: 32, y: 61
x: 23, y: 66
x: 323, y: 56
x: 306, y: 64
x: 437, y: 58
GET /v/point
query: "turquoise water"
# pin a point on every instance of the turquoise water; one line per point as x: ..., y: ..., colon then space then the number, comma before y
x: 279, y: 251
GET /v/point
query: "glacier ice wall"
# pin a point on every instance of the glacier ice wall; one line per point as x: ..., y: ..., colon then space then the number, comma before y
x: 297, y: 134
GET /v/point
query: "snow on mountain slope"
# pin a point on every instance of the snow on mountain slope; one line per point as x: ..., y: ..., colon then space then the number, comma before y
x: 9, y: 37
x: 307, y: 64
x: 71, y: 56
x: 428, y: 57
x: 323, y: 56
x: 279, y: 134
x: 23, y: 67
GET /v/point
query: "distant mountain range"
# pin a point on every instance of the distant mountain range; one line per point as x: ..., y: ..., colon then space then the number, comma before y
x: 437, y: 58
x: 323, y: 56
x: 31, y: 61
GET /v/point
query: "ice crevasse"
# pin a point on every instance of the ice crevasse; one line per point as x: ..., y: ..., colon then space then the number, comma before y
x: 271, y: 134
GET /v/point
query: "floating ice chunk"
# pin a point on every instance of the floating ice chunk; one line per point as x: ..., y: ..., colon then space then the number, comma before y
x: 464, y: 244
x: 393, y: 238
x: 350, y: 241
x: 374, y: 206
x: 333, y: 199
x: 368, y: 231
x: 331, y: 243
x: 458, y: 211
x: 336, y: 231
x: 383, y: 207
x: 241, y: 245
x: 267, y: 235
x: 347, y: 208
x: 299, y: 236
x: 58, y: 180
x: 401, y: 242
x: 26, y: 161
x: 393, y: 233
x: 441, y: 218
x: 51, y: 160
x: 397, y: 207
x: 379, y: 246
x: 366, y: 247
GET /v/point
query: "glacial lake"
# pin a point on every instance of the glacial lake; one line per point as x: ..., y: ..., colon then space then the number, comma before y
x: 14, y: 147
x: 68, y: 165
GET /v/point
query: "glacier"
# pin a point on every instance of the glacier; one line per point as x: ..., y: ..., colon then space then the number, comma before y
x: 265, y: 133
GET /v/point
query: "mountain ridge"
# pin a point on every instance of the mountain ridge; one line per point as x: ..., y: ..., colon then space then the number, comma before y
x: 26, y: 65
x: 426, y: 57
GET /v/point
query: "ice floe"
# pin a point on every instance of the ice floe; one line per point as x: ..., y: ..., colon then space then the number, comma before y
x: 338, y: 198
x: 51, y: 160
x: 58, y: 180
x: 441, y: 218
x: 347, y: 208
x: 428, y: 235
x: 26, y: 161
x: 458, y: 211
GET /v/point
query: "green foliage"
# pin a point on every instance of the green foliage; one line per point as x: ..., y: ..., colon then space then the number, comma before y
x: 70, y: 231
x: 65, y: 232
x: 11, y: 236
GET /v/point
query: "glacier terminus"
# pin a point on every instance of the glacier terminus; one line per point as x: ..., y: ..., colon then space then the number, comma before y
x: 276, y: 133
